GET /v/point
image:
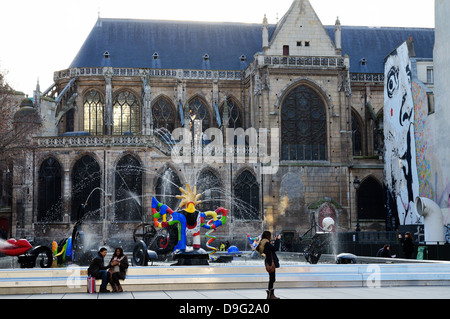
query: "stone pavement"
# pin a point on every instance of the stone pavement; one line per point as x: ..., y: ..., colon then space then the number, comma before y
x: 352, y: 293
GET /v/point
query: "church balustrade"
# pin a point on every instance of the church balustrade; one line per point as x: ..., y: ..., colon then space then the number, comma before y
x: 240, y: 152
x: 141, y: 72
x: 366, y: 77
x: 101, y: 141
x: 300, y: 61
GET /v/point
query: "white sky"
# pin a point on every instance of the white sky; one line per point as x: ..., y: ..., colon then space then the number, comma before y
x: 39, y: 37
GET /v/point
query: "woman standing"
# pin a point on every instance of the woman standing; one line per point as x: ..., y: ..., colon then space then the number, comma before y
x: 119, y: 266
x: 266, y: 248
x: 408, y: 244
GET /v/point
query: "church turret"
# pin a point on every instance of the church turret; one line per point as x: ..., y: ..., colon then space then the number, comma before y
x: 37, y: 96
x: 265, y: 33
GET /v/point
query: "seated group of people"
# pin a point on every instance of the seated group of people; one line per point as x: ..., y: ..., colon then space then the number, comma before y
x: 112, y: 273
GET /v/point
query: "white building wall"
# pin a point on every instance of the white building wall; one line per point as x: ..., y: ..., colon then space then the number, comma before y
x: 441, y: 118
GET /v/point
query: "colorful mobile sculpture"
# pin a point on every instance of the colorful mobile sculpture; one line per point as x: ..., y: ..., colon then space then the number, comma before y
x: 189, y: 219
x: 253, y: 241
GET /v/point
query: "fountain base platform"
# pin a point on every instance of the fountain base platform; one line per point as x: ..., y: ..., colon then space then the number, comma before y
x: 191, y: 257
x: 247, y: 276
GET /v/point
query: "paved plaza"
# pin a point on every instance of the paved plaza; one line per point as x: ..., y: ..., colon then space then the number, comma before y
x: 353, y: 293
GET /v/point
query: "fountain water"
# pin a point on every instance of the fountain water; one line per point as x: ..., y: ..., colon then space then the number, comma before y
x: 91, y: 208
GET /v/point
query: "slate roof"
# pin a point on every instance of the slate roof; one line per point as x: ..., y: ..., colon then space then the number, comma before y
x: 179, y: 44
x: 374, y: 44
x: 183, y: 44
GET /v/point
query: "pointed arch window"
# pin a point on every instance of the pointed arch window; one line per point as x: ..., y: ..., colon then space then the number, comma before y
x: 211, y: 187
x: 86, y: 181
x: 164, y: 115
x: 167, y: 187
x: 128, y: 191
x: 233, y: 114
x: 199, y: 111
x: 126, y: 114
x: 370, y: 199
x: 49, y: 187
x: 246, y: 197
x: 378, y: 135
x: 303, y: 126
x: 93, y: 112
x: 356, y: 135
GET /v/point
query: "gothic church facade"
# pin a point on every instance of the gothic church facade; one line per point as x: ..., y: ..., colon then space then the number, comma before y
x: 106, y: 140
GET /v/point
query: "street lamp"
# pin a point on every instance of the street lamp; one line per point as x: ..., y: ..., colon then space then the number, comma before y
x: 356, y: 185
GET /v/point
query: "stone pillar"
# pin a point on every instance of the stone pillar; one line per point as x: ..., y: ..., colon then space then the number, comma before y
x: 22, y: 204
x: 108, y: 180
x: 109, y: 121
x: 147, y: 116
x: 66, y: 196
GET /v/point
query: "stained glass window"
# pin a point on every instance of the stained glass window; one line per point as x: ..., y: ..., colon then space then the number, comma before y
x: 126, y: 114
x: 303, y: 126
x: 93, y: 112
x: 199, y: 111
x: 164, y: 115
x: 233, y: 113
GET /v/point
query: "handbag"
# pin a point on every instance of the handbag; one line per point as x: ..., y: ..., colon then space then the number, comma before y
x: 270, y: 268
x: 90, y: 285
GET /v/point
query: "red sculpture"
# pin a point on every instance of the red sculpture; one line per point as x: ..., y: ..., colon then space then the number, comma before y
x: 13, y: 247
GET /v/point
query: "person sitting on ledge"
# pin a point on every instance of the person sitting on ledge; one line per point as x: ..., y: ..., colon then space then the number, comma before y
x: 98, y: 269
x: 385, y: 252
x: 118, y: 270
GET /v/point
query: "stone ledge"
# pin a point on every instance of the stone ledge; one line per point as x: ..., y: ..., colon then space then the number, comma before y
x: 62, y: 280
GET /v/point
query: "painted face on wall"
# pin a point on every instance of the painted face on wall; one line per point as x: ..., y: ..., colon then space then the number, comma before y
x: 400, y: 166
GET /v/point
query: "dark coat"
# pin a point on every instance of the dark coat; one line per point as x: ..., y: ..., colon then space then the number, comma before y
x: 385, y: 253
x: 408, y: 246
x: 270, y: 252
x: 96, y: 265
x: 123, y: 267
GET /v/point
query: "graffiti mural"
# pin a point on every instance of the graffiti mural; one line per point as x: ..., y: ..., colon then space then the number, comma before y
x: 422, y: 136
x: 400, y: 160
